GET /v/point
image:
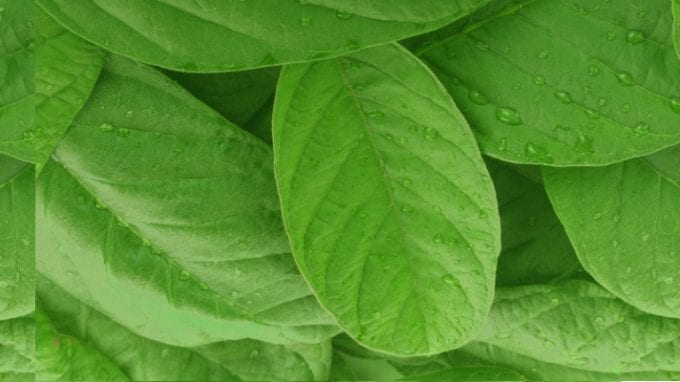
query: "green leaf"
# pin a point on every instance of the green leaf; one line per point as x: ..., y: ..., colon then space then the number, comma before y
x: 481, y: 353
x: 535, y: 248
x: 623, y: 221
x: 163, y: 216
x: 237, y: 96
x: 581, y: 325
x: 468, y: 373
x: 212, y: 36
x: 74, y: 339
x: 67, y: 68
x: 676, y: 26
x: 17, y: 349
x: 564, y: 82
x: 390, y: 211
x: 16, y: 79
x: 17, y: 276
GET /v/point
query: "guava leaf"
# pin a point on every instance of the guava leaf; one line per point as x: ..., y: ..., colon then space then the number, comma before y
x: 76, y: 340
x: 162, y: 215
x: 623, y: 221
x: 390, y: 211
x: 579, y: 324
x: 16, y: 79
x: 214, y: 35
x: 17, y: 270
x: 67, y: 68
x: 535, y: 248
x: 17, y: 349
x: 564, y: 82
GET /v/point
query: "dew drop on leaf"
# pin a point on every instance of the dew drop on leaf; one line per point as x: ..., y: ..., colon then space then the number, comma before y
x: 342, y: 15
x: 478, y: 98
x: 305, y: 21
x: 675, y: 104
x: 625, y: 78
x: 509, y: 116
x: 564, y: 97
x: 593, y: 70
x: 448, y: 279
x: 106, y: 127
x: 641, y: 129
x: 431, y: 134
x: 376, y: 114
x: 635, y: 37
x: 184, y: 275
x: 539, y: 80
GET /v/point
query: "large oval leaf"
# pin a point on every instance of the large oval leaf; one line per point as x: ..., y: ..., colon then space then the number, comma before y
x: 575, y: 82
x: 218, y: 35
x: 580, y: 324
x: 99, y: 349
x: 163, y: 215
x: 17, y: 276
x: 389, y: 208
x: 624, y: 222
x: 16, y: 79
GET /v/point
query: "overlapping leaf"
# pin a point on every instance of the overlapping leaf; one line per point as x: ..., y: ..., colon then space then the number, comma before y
x: 623, y: 221
x: 17, y: 349
x: 214, y: 35
x: 79, y: 343
x: 163, y: 216
x: 564, y: 82
x: 388, y: 205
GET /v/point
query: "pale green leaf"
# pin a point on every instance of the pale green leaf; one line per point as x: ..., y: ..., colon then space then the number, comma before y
x: 535, y: 248
x: 388, y: 205
x: 468, y: 373
x: 162, y: 215
x: 17, y: 276
x: 67, y: 68
x: 78, y: 340
x: 623, y: 221
x: 219, y: 35
x: 16, y: 79
x: 564, y: 82
x: 17, y: 349
x: 581, y: 325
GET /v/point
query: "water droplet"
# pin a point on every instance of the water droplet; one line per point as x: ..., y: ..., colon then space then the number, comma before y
x: 645, y: 237
x: 502, y: 144
x: 184, y: 275
x: 413, y: 129
x: 642, y: 14
x: 438, y: 238
x: 675, y: 104
x: 129, y: 114
x: 388, y: 136
x: 448, y: 279
x: 376, y: 315
x: 430, y: 133
x: 537, y: 153
x: 123, y: 132
x: 478, y: 98
x: 376, y: 114
x: 668, y: 280
x: 305, y: 21
x: 584, y: 144
x: 625, y: 108
x: 635, y: 37
x: 254, y: 353
x: 625, y: 78
x: 611, y: 36
x: 343, y: 15
x: 597, y: 216
x: 539, y: 80
x: 593, y: 70
x: 402, y: 141
x: 509, y: 116
x: 406, y: 182
x: 602, y: 101
x: 29, y: 135
x: 543, y: 54
x: 106, y: 127
x: 615, y: 243
x: 616, y: 218
x: 641, y: 129
x: 406, y: 208
x: 482, y: 45
x: 563, y: 96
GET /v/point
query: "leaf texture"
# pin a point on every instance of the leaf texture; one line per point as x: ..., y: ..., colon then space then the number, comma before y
x: 676, y: 26
x: 627, y: 212
x: 564, y: 82
x: 581, y: 325
x: 67, y: 68
x: 17, y: 347
x: 76, y: 340
x: 17, y: 275
x: 16, y: 79
x: 163, y: 216
x: 212, y: 35
x: 389, y: 208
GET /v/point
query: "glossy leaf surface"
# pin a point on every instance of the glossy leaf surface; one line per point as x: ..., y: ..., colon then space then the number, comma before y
x: 623, y: 221
x: 213, y: 35
x: 389, y: 208
x: 162, y: 215
x: 555, y: 82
